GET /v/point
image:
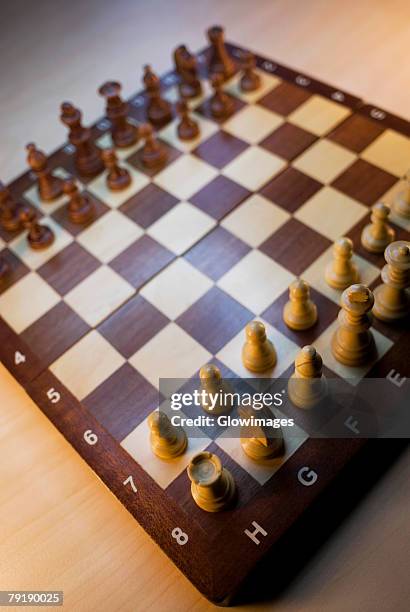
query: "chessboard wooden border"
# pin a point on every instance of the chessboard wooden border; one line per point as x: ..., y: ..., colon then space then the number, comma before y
x: 218, y: 567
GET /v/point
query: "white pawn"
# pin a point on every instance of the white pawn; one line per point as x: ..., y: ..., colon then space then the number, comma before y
x: 342, y: 272
x: 300, y: 312
x: 377, y: 234
x: 391, y: 299
x: 261, y: 443
x: 212, y: 383
x: 258, y: 353
x: 402, y: 202
x: 307, y: 385
x: 166, y: 440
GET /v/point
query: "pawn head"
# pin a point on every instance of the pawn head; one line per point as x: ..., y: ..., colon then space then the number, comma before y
x: 255, y: 331
x: 343, y: 247
x: 209, y: 372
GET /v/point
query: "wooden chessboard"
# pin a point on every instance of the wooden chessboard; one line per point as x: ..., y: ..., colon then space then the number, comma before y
x: 168, y: 275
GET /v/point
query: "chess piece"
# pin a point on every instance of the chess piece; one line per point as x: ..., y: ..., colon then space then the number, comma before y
x: 153, y: 154
x: 212, y: 486
x: 377, y: 234
x: 187, y: 129
x: 167, y: 441
x: 39, y: 236
x: 250, y: 80
x: 117, y: 178
x: 4, y: 268
x: 307, y: 386
x: 220, y: 62
x: 159, y: 110
x: 186, y: 66
x: 123, y: 133
x: 260, y: 442
x: 300, y: 312
x: 9, y: 210
x: 342, y: 272
x: 49, y: 187
x: 391, y: 299
x: 80, y: 207
x: 402, y: 201
x: 87, y: 156
x: 258, y: 353
x: 353, y: 342
x: 221, y: 104
x: 213, y: 384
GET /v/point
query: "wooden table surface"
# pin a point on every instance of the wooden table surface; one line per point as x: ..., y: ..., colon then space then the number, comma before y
x: 60, y: 528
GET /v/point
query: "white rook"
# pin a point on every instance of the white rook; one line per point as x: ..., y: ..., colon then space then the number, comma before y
x: 253, y: 534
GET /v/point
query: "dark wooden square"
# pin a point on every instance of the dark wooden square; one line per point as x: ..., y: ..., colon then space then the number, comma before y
x: 205, y: 109
x: 219, y: 197
x: 16, y: 269
x: 356, y: 133
x: 122, y: 401
x: 327, y: 313
x: 290, y: 189
x: 288, y: 141
x: 68, y: 268
x: 285, y: 98
x: 214, y: 319
x: 55, y: 332
x: 172, y: 155
x: 220, y: 149
x: 141, y: 261
x: 217, y: 253
x: 355, y: 233
x: 148, y: 205
x: 364, y: 182
x: 295, y: 246
x: 133, y: 325
x: 62, y: 218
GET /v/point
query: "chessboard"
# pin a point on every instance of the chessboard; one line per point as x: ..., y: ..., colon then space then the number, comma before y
x: 168, y: 274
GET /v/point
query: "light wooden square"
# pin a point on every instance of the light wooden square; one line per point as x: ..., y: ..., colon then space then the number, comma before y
x: 314, y: 275
x: 185, y: 176
x: 293, y: 438
x: 34, y: 259
x: 352, y: 375
x: 268, y: 82
x: 26, y: 301
x: 109, y: 236
x: 390, y: 151
x: 87, y: 364
x: 256, y: 281
x: 171, y: 354
x: 255, y: 220
x: 48, y: 207
x: 114, y: 199
x: 169, y: 133
x: 99, y: 295
x: 286, y: 350
x: 137, y: 444
x: 181, y: 227
x: 253, y: 123
x: 254, y: 167
x: 319, y: 115
x: 331, y: 213
x: 324, y: 161
x: 176, y: 288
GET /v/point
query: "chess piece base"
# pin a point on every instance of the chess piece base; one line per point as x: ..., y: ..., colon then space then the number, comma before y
x: 44, y: 239
x: 216, y: 503
x: 300, y: 321
x: 126, y: 137
x: 166, y: 450
x: 220, y: 109
x: 90, y: 165
x: 250, y: 83
x: 353, y: 350
x: 341, y: 281
x: 154, y: 158
x: 121, y: 180
x: 373, y: 244
x: 306, y: 392
x: 84, y: 213
x: 257, y: 451
x: 188, y: 91
x: 391, y: 304
x: 257, y: 360
x: 159, y: 114
x: 188, y: 132
x: 52, y: 190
